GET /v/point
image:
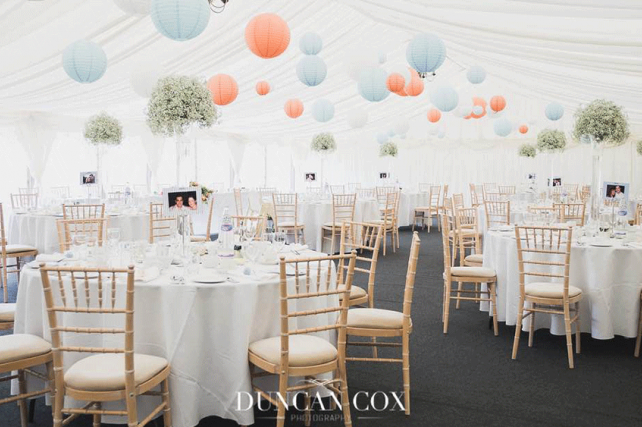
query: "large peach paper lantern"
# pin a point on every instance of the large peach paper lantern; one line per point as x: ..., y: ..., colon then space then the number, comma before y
x: 434, y: 115
x: 395, y: 82
x: 479, y: 102
x: 267, y: 35
x: 223, y: 88
x: 497, y: 103
x: 416, y: 86
x: 523, y: 129
x: 293, y: 108
x: 262, y: 88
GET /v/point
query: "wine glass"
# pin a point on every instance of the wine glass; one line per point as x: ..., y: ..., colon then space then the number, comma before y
x: 279, y: 239
x: 78, y: 243
x: 164, y: 255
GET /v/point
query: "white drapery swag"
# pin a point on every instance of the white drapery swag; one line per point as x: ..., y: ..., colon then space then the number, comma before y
x: 36, y: 135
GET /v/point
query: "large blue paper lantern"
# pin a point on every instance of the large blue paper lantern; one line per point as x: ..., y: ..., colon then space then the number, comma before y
x: 372, y: 84
x: 476, y: 74
x: 84, y: 61
x: 180, y: 19
x: 503, y: 126
x: 444, y: 98
x: 311, y: 44
x: 426, y: 52
x: 322, y: 110
x: 554, y: 111
x: 311, y: 70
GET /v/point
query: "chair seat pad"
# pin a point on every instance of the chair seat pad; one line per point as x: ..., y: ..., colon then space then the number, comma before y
x: 477, y: 258
x: 106, y: 372
x: 12, y: 249
x: 304, y: 350
x: 289, y: 224
x: 333, y: 224
x: 355, y: 291
x: 374, y: 318
x: 472, y: 272
x: 21, y: 346
x: 550, y: 290
x: 7, y: 312
x: 198, y: 238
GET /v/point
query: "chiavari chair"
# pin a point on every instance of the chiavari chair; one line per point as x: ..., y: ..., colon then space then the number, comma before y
x: 298, y: 353
x: 366, y: 193
x: 382, y: 193
x: 638, y: 340
x: 343, y: 206
x: 388, y: 221
x: 464, y: 274
x: 375, y: 323
x: 60, y: 192
x: 476, y: 195
x: 286, y: 215
x: 638, y: 214
x: 265, y: 194
x: 24, y: 201
x: 83, y: 211
x: 365, y: 238
x: 116, y: 196
x: 571, y: 189
x: 254, y: 226
x: 113, y: 371
x: 444, y: 196
x: 506, y: 190
x: 492, y: 197
x: 68, y: 229
x: 468, y: 238
x: 489, y: 187
x: 17, y: 252
x: 338, y: 189
x: 571, y: 212
x: 208, y: 227
x: 550, y: 248
x: 458, y: 200
x: 238, y: 200
x: 27, y: 190
x: 497, y: 213
x: 353, y: 187
x: 160, y: 226
x: 426, y: 212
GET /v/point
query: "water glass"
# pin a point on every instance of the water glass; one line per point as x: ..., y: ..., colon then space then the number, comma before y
x: 164, y: 255
x: 279, y: 239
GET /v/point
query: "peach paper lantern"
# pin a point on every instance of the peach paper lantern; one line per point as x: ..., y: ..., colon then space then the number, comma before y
x: 267, y: 35
x: 395, y: 82
x: 416, y: 85
x: 434, y: 115
x: 468, y: 117
x: 402, y: 92
x: 497, y: 103
x: 223, y: 88
x: 523, y: 129
x: 482, y: 103
x: 262, y: 88
x: 293, y: 108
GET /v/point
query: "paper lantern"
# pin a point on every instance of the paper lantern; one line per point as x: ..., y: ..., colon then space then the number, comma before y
x: 134, y: 7
x: 503, y: 127
x: 180, y: 19
x: 476, y: 74
x: 402, y: 127
x: 267, y: 35
x: 478, y: 102
x: 478, y: 110
x: 262, y: 88
x: 143, y: 81
x: 322, y: 110
x: 464, y: 108
x: 434, y: 115
x: 311, y: 44
x: 382, y: 137
x: 425, y: 53
x: 357, y: 118
x: 402, y: 92
x: 395, y: 82
x: 372, y: 84
x: 84, y: 61
x: 554, y: 111
x: 311, y: 70
x: 497, y: 103
x: 523, y: 129
x: 223, y: 88
x: 441, y: 134
x: 445, y: 98
x: 383, y: 57
x: 416, y: 86
x: 391, y: 133
x: 293, y: 108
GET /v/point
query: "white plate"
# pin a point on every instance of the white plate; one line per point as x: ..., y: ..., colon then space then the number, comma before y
x: 209, y: 278
x: 602, y: 244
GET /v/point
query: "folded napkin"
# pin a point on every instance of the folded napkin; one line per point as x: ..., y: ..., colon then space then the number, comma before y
x: 147, y: 274
x: 55, y: 257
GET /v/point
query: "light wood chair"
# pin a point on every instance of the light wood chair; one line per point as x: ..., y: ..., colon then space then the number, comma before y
x: 375, y: 323
x: 286, y: 215
x: 208, y: 227
x: 366, y: 193
x: 7, y: 251
x: 254, y: 225
x: 298, y: 353
x: 638, y: 340
x: 24, y: 201
x: 113, y: 373
x: 506, y: 190
x: 343, y: 206
x: 365, y: 238
x: 492, y: 197
x: 21, y: 353
x: 490, y: 187
x: 550, y: 248
x: 116, y: 196
x: 585, y: 194
x: 160, y: 226
x: 462, y: 275
x: 93, y: 228
x: 315, y: 190
x: 497, y: 213
x: 338, y: 189
x: 444, y: 196
x: 571, y: 190
x: 238, y: 200
x: 7, y: 315
x: 265, y: 194
x: 638, y: 214
x: 426, y: 212
x: 60, y: 192
x: 458, y: 200
x: 467, y: 227
x: 476, y: 194
x: 571, y: 212
x: 28, y: 190
x: 83, y: 211
x: 388, y: 221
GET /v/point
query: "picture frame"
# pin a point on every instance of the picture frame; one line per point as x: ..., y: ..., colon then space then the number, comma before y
x: 557, y: 181
x: 310, y: 176
x: 616, y: 190
x: 384, y: 175
x: 89, y: 178
x: 182, y: 201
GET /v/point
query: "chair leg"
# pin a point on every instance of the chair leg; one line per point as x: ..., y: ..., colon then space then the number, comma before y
x: 638, y: 340
x: 569, y: 340
x: 296, y: 236
x: 385, y: 241
x: 493, y: 301
x: 332, y: 243
x: 283, y: 387
x: 5, y: 279
x: 97, y: 417
x: 22, y: 403
x: 167, y: 412
x: 307, y: 417
x: 447, y: 305
x: 518, y: 327
x: 405, y: 356
x: 578, y: 329
x: 345, y: 399
x: 531, y: 328
x: 458, y: 295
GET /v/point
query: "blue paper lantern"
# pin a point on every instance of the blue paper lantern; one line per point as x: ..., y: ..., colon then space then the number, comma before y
x: 391, y: 133
x: 372, y: 84
x: 476, y: 74
x: 84, y: 61
x: 554, y: 111
x: 503, y: 127
x: 180, y: 19
x: 322, y: 110
x: 382, y: 137
x: 426, y: 52
x: 311, y: 44
x: 478, y: 110
x: 311, y: 70
x: 444, y: 98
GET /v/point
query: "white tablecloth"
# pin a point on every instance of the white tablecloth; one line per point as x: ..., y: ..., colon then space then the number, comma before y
x: 203, y: 330
x: 407, y: 204
x: 610, y: 278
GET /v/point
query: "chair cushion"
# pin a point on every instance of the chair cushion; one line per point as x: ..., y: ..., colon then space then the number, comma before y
x: 288, y: 224
x: 332, y: 224
x: 7, y: 312
x: 355, y: 291
x: 304, y: 350
x: 550, y: 290
x: 21, y: 346
x: 106, y: 372
x: 198, y: 239
x: 472, y: 272
x: 374, y: 318
x: 20, y: 248
x: 477, y: 258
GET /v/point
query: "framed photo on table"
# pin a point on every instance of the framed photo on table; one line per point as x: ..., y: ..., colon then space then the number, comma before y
x: 384, y: 175
x: 616, y: 191
x: 89, y: 178
x: 182, y: 200
x: 310, y: 176
x: 557, y: 181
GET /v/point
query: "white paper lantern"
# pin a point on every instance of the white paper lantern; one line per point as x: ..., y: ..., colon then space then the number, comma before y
x: 402, y: 127
x: 84, y: 61
x: 143, y: 81
x: 357, y: 118
x: 322, y: 110
x: 180, y: 19
x: 444, y: 98
x: 477, y: 110
x: 135, y: 7
x: 476, y: 74
x: 426, y: 52
x: 554, y: 111
x: 311, y: 70
x: 311, y: 44
x: 441, y: 134
x: 382, y: 137
x: 503, y: 127
x: 372, y: 84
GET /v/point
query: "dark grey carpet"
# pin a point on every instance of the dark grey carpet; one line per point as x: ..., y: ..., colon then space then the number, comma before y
x: 467, y: 378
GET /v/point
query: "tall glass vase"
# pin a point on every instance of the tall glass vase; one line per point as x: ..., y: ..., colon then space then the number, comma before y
x: 596, y: 181
x: 551, y: 183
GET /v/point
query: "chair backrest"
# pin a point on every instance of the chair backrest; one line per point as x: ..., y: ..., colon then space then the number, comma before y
x: 366, y: 193
x: 366, y: 240
x: 160, y: 226
x: 571, y: 212
x: 238, y: 200
x: 3, y: 239
x: 497, y: 213
x: 313, y: 283
x: 492, y: 197
x: 92, y: 228
x: 254, y: 226
x: 489, y: 187
x: 27, y: 190
x: 286, y: 208
x: 544, y: 253
x: 382, y: 192
x: 447, y: 226
x: 506, y: 190
x: 83, y: 211
x: 343, y: 206
x: 265, y: 193
x: 389, y: 210
x: 435, y: 195
x: 444, y: 194
x: 24, y: 200
x: 458, y: 200
x: 60, y: 192
x: 208, y: 228
x: 638, y: 214
x: 474, y: 199
x: 338, y: 189
x: 466, y: 220
x: 410, y: 279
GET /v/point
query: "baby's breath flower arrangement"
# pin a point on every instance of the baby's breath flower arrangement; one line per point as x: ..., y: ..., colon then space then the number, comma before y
x: 603, y: 120
x: 103, y: 129
x: 639, y: 147
x: 388, y: 149
x: 323, y: 143
x: 549, y: 140
x: 527, y: 150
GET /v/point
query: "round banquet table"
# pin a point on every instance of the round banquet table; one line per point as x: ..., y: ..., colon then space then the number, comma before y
x: 407, y: 204
x: 203, y: 330
x: 609, y: 277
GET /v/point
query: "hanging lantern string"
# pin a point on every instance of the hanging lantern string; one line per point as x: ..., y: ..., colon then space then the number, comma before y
x: 217, y: 8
